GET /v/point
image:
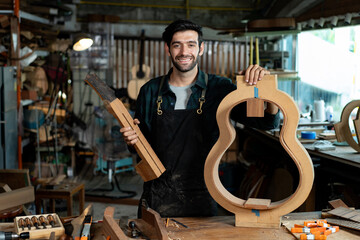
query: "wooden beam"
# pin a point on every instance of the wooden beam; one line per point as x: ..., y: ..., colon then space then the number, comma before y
x: 16, y: 197
x: 330, y: 8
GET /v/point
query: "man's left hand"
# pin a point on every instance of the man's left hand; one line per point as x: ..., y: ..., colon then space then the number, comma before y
x: 254, y: 73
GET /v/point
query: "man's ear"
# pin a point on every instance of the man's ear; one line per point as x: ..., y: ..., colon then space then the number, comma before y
x: 167, y: 49
x: 201, y: 50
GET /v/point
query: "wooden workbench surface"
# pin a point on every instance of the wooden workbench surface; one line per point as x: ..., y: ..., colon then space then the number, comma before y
x: 222, y: 228
x: 344, y: 154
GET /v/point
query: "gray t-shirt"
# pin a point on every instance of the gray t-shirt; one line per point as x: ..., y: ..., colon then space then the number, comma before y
x: 182, y: 95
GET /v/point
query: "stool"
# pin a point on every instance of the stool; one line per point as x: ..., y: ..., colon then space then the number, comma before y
x: 62, y: 191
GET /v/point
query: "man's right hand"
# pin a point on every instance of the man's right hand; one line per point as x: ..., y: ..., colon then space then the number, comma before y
x: 129, y: 135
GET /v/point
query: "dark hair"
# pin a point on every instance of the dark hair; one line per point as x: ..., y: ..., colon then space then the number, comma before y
x: 181, y: 25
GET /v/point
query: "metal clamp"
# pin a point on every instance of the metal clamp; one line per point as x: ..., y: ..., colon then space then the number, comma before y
x: 201, y: 100
x: 159, y: 101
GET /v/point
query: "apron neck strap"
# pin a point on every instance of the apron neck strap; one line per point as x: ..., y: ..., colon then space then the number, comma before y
x: 201, y: 99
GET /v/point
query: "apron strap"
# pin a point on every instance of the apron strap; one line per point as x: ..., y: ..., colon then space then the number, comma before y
x: 201, y: 99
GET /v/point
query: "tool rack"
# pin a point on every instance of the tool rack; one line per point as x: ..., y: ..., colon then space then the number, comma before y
x: 45, y: 226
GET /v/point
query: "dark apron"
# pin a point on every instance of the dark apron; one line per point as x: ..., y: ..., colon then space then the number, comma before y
x: 180, y: 143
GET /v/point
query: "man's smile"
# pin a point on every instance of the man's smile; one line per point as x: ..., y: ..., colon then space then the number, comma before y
x: 184, y: 59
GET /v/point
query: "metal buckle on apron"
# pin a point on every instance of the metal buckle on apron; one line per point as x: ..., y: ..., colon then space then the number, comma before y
x: 201, y: 101
x: 159, y: 101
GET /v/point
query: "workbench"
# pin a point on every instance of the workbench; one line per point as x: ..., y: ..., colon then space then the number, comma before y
x: 331, y: 167
x: 222, y: 228
x: 342, y: 154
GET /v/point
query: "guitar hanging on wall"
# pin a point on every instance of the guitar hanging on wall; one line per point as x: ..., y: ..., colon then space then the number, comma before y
x: 140, y: 73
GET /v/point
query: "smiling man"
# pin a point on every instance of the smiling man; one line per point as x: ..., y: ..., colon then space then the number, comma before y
x: 177, y: 114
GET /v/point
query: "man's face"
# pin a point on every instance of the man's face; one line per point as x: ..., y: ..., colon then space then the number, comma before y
x: 184, y: 50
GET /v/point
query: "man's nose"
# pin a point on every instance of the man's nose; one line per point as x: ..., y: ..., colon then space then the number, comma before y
x: 183, y: 49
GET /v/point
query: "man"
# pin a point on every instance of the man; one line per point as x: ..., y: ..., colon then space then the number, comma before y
x: 177, y: 115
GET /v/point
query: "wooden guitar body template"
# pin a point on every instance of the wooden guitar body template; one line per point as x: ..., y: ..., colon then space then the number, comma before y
x: 342, y: 128
x: 255, y: 212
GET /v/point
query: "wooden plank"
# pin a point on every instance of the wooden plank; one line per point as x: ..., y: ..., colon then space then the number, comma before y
x: 212, y: 57
x: 16, y: 197
x: 337, y: 203
x: 228, y: 72
x: 133, y: 62
x: 5, y: 187
x: 150, y: 167
x: 206, y: 52
x: 254, y: 107
x: 346, y: 213
x: 272, y: 23
x: 123, y: 82
x: 127, y: 61
x: 149, y: 53
x: 343, y: 223
x: 239, y: 56
x: 159, y: 59
x: 117, y: 63
x: 217, y: 59
x: 110, y: 227
x: 154, y: 59
x: 151, y: 225
x: 221, y: 228
x: 257, y: 203
x: 234, y: 59
x: 165, y: 61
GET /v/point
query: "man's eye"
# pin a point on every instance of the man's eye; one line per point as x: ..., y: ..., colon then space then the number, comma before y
x: 192, y: 45
x: 176, y: 45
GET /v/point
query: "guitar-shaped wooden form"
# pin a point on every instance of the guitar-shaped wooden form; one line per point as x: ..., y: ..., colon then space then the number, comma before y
x: 140, y: 73
x: 259, y: 212
x: 150, y: 167
x: 342, y: 128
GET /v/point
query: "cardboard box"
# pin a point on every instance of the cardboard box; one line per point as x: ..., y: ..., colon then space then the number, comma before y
x: 29, y: 94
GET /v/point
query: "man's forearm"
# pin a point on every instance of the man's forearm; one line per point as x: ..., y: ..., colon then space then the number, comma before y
x: 271, y: 108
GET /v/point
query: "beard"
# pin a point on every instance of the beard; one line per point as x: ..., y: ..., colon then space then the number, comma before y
x: 187, y: 68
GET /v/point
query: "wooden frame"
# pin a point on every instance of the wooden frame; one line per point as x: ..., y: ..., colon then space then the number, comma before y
x: 259, y: 213
x: 342, y: 128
